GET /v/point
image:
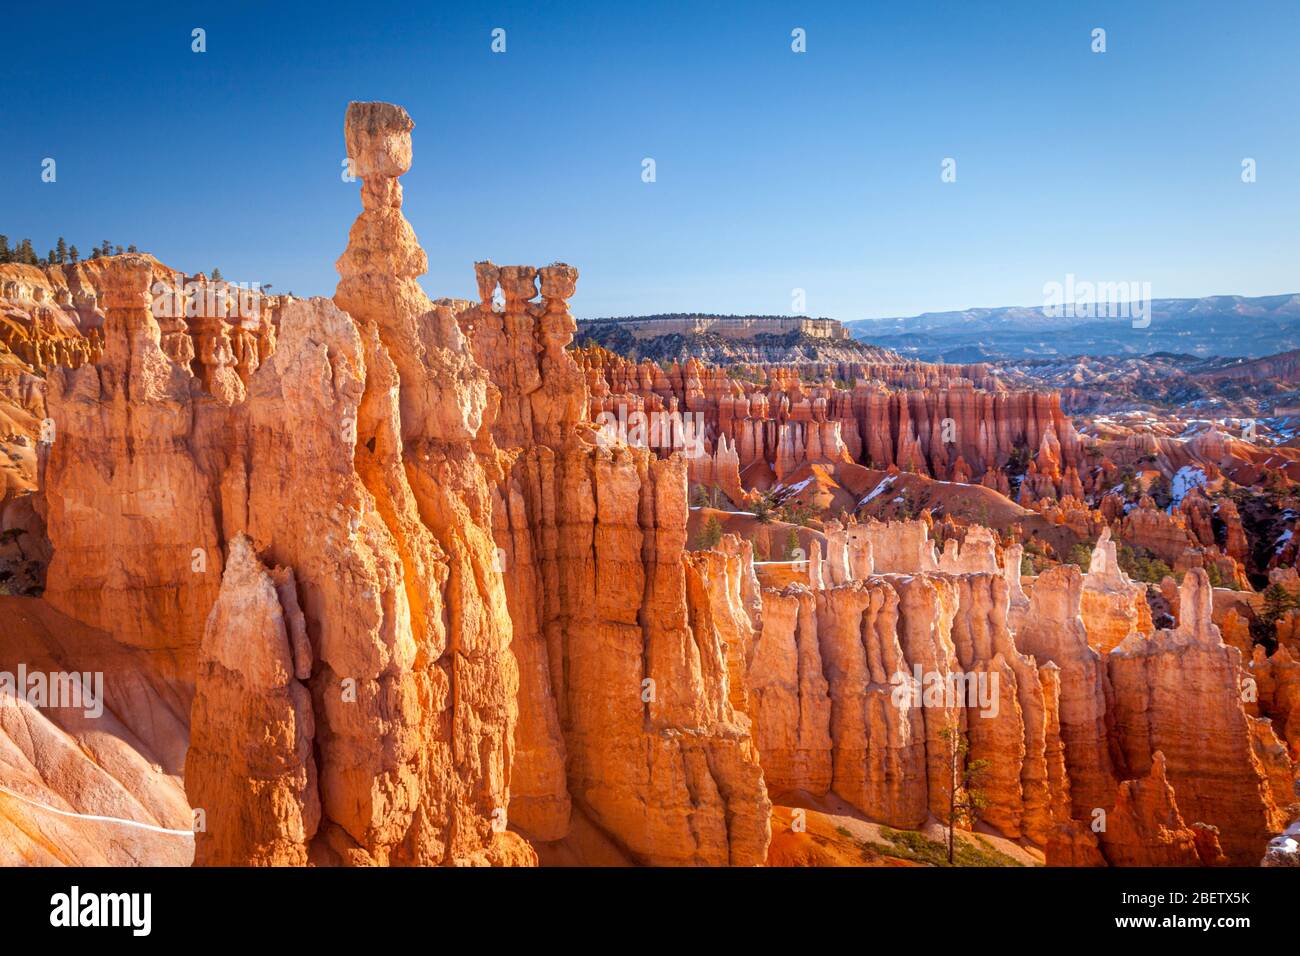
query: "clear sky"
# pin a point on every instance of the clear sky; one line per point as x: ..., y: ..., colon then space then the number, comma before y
x: 774, y: 170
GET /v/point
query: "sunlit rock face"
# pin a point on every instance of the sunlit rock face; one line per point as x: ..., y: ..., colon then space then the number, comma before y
x: 951, y: 422
x: 847, y: 693
x: 263, y: 794
x: 369, y: 423
x: 1180, y: 693
x: 1112, y: 606
x: 131, y: 484
x: 1082, y: 755
x: 1050, y: 628
x: 626, y: 643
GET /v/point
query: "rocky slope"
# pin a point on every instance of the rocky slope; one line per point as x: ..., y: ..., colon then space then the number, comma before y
x: 96, y: 781
x: 1186, y: 385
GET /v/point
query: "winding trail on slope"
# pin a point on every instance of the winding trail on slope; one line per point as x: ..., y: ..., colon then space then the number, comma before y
x: 88, y: 816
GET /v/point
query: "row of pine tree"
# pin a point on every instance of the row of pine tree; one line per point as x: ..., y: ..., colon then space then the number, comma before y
x: 61, y: 254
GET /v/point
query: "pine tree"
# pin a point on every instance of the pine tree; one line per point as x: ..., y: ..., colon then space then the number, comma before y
x: 105, y: 248
x: 51, y: 258
x: 216, y: 274
x: 1081, y: 554
x: 117, y: 251
x: 5, y: 254
x: 73, y: 255
x: 907, y: 507
x: 792, y: 549
x: 96, y: 253
x: 26, y: 254
x: 132, y: 249
x: 1278, y: 602
x: 710, y: 534
x: 61, y: 249
x: 1161, y: 491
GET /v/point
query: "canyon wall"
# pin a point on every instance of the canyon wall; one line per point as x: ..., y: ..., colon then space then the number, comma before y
x: 1180, y: 693
x: 1140, y: 752
x: 622, y: 637
x: 928, y: 419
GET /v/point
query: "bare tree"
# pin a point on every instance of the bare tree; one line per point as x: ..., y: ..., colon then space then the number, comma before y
x: 965, y: 801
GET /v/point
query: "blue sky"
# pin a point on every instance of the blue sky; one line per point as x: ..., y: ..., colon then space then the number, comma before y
x: 775, y: 170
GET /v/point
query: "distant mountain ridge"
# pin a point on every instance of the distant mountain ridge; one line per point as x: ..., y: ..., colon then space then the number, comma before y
x: 1220, y: 325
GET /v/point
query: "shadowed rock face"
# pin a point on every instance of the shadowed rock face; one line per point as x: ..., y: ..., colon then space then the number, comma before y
x: 1146, y: 828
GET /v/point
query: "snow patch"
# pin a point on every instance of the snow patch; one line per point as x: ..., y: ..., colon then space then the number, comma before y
x: 793, y: 489
x: 1185, y: 479
x: 880, y: 489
